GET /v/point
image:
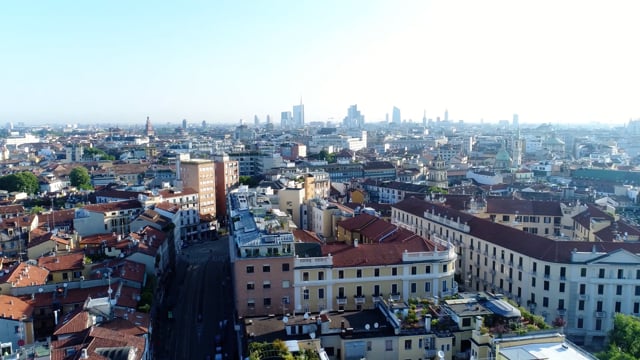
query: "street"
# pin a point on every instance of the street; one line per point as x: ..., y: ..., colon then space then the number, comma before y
x: 200, y: 297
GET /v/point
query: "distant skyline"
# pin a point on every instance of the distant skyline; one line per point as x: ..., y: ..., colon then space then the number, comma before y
x: 556, y: 62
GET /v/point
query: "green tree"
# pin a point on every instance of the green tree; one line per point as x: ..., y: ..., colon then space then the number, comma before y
x: 623, y: 339
x: 80, y: 178
x: 22, y: 181
x: 36, y: 210
x: 95, y: 152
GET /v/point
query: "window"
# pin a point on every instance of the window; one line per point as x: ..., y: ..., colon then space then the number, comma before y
x: 583, y: 288
x: 620, y: 274
x: 394, y: 289
x: 376, y: 272
x: 637, y: 274
x: 321, y: 275
x: 250, y: 270
x: 266, y: 284
x: 637, y: 290
x: 407, y: 344
x: 340, y: 274
x: 413, y: 287
x: 394, y: 271
x: 321, y: 293
x: 388, y: 345
x: 251, y: 285
x: 285, y: 267
x: 561, y: 287
x: 583, y: 272
x: 285, y: 300
x: 560, y: 303
x: 580, y: 324
x: 427, y: 287
x: 545, y: 285
x: 619, y: 290
x: 266, y: 302
x: 598, y: 324
x: 581, y: 305
x: 305, y: 294
x: 636, y: 308
x: 358, y: 273
x: 285, y: 284
x: 545, y: 301
x: 600, y: 289
x: 547, y: 270
x: 414, y: 270
x: 534, y: 267
x: 618, y: 306
x: 599, y: 305
x: 65, y: 276
x: 466, y: 322
x: 601, y: 273
x: 444, y: 268
x: 251, y: 304
x: 533, y: 282
x: 305, y: 276
x: 266, y: 268
x: 427, y: 269
x: 376, y: 290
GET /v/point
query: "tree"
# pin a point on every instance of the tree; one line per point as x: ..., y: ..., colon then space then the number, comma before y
x: 80, y: 178
x: 623, y: 339
x: 23, y: 181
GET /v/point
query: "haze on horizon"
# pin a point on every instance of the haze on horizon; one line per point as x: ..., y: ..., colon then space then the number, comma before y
x: 221, y: 61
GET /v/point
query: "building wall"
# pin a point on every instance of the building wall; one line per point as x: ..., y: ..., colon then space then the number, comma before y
x: 251, y: 286
x: 199, y: 175
x: 290, y: 201
x: 227, y: 176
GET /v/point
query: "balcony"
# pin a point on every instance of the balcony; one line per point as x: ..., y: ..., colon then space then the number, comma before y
x: 341, y: 300
x: 360, y: 299
x: 583, y: 297
x: 562, y: 312
x: 547, y: 276
x: 430, y: 353
x: 600, y: 314
x: 520, y: 267
x: 395, y: 296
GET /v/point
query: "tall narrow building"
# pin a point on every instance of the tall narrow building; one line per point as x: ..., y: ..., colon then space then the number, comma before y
x: 396, y: 118
x: 227, y: 176
x: 149, y: 128
x: 199, y: 174
x: 298, y: 115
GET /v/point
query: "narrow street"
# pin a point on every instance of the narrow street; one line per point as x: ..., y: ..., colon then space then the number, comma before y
x: 200, y: 298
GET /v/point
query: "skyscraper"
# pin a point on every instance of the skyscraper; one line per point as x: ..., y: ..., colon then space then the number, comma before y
x: 396, y: 118
x: 285, y: 119
x: 446, y: 114
x: 256, y: 121
x: 184, y: 124
x: 298, y: 115
x: 199, y: 174
x: 354, y: 118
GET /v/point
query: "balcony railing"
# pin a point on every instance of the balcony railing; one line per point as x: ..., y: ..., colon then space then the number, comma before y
x: 562, y: 312
x: 600, y: 314
x: 395, y: 296
x: 360, y: 299
x: 341, y: 300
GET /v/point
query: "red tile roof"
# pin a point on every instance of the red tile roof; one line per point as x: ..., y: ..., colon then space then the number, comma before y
x: 70, y: 261
x: 114, y: 206
x: 14, y: 308
x: 25, y: 275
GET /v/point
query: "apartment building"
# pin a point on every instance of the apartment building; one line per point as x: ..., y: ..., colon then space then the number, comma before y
x: 199, y: 174
x: 580, y: 283
x: 113, y: 217
x: 227, y: 176
x: 535, y: 217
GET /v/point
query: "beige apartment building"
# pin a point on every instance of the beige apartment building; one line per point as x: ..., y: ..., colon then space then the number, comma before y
x: 581, y: 283
x: 199, y: 174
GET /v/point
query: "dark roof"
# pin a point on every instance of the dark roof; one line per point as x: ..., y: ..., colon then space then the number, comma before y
x: 525, y: 243
x: 523, y: 207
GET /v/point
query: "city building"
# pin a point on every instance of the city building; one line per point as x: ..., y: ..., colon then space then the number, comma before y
x: 199, y: 175
x: 227, y: 174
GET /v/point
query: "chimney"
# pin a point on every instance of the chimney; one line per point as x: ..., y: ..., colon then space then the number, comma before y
x: 427, y: 323
x: 478, y: 323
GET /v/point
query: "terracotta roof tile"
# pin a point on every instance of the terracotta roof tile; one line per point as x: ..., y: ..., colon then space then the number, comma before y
x: 114, y: 206
x: 71, y: 261
x: 14, y: 308
x: 24, y: 274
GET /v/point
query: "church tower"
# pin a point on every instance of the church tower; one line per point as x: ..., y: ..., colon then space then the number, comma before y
x: 149, y: 129
x: 438, y: 173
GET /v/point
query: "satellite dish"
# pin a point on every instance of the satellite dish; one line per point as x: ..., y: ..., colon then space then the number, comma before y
x: 40, y: 290
x: 367, y: 327
x: 375, y: 325
x: 440, y: 354
x: 285, y: 319
x: 312, y: 335
x: 306, y: 316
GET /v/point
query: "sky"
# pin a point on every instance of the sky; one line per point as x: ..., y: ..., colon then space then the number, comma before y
x: 119, y: 61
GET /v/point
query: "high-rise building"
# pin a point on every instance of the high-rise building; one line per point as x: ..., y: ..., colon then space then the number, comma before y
x: 256, y: 120
x: 354, y: 118
x: 285, y: 119
x: 424, y: 118
x: 199, y: 174
x: 184, y: 124
x: 396, y: 118
x: 446, y: 114
x: 516, y: 121
x: 298, y: 115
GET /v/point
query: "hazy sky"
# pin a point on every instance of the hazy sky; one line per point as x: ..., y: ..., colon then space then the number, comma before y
x: 221, y: 61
